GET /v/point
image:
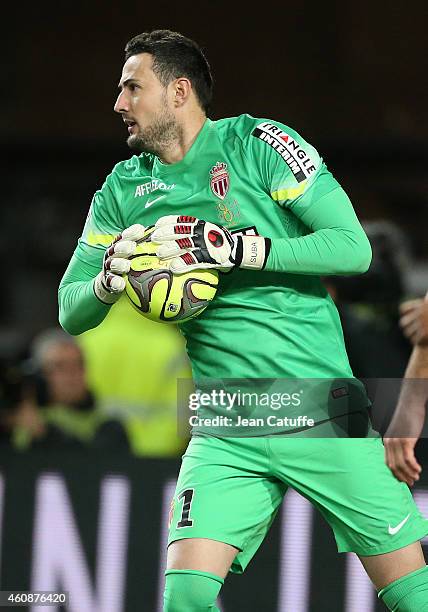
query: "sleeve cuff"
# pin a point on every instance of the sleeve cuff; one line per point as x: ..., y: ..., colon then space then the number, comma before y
x: 255, y: 251
x: 104, y: 296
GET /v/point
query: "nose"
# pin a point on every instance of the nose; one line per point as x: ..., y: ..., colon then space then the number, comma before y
x: 121, y: 104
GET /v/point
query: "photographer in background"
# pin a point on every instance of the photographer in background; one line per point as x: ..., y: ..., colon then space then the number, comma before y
x: 60, y: 371
x: 57, y: 371
x: 67, y: 405
x: 20, y: 419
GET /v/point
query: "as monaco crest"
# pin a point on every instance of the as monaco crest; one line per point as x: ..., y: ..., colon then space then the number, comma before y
x: 220, y: 180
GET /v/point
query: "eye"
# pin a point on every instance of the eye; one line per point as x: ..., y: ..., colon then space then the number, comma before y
x: 133, y: 87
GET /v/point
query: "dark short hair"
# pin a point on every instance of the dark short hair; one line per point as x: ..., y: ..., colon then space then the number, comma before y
x: 175, y: 56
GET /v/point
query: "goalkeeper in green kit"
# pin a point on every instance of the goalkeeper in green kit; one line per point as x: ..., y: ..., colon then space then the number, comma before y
x: 250, y: 197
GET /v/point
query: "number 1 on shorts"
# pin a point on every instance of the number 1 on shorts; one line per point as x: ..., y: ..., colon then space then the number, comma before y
x: 187, y: 496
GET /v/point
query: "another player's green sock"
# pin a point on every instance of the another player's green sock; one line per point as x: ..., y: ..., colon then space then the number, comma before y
x: 191, y: 591
x: 407, y: 594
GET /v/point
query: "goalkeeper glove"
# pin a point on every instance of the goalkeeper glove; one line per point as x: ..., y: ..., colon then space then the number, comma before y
x: 110, y: 283
x: 195, y: 244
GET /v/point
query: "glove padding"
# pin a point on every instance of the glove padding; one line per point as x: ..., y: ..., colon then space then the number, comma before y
x: 194, y: 244
x: 110, y: 283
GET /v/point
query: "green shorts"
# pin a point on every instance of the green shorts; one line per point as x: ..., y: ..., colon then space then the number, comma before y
x: 230, y: 489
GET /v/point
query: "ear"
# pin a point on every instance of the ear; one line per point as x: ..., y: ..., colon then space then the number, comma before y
x: 182, y: 91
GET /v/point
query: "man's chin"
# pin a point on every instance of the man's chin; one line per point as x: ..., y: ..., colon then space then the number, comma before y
x: 135, y: 143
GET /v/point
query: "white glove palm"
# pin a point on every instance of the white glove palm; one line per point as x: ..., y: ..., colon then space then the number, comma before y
x: 110, y: 282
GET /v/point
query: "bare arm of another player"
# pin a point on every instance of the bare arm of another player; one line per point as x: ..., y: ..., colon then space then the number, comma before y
x: 414, y: 320
x: 409, y: 417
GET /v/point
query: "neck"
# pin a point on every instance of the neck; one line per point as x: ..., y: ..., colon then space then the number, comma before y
x: 177, y: 149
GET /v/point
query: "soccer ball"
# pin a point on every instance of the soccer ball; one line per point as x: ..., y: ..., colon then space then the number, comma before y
x: 162, y: 296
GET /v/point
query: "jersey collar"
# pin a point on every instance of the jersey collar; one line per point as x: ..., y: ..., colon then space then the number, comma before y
x: 190, y: 156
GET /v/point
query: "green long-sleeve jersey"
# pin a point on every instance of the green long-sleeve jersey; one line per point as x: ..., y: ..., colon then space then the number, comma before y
x: 253, y: 176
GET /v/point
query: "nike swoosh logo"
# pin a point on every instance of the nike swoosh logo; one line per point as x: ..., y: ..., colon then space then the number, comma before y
x: 394, y: 530
x: 149, y: 203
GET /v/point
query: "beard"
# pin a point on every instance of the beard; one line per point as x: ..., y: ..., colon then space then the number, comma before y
x: 160, y: 135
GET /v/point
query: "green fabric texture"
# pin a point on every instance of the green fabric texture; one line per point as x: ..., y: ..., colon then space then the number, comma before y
x: 407, y: 594
x: 191, y: 591
x: 79, y: 308
x: 345, y: 479
x: 336, y: 233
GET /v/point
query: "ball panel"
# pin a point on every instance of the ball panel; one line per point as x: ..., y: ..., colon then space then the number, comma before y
x: 158, y: 297
x: 162, y: 296
x: 174, y: 303
x: 203, y: 291
x: 143, y: 285
x: 206, y: 276
x: 141, y: 263
x: 133, y: 296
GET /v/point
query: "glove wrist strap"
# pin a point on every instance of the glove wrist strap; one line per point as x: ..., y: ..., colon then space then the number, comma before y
x: 102, y: 293
x: 254, y: 251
